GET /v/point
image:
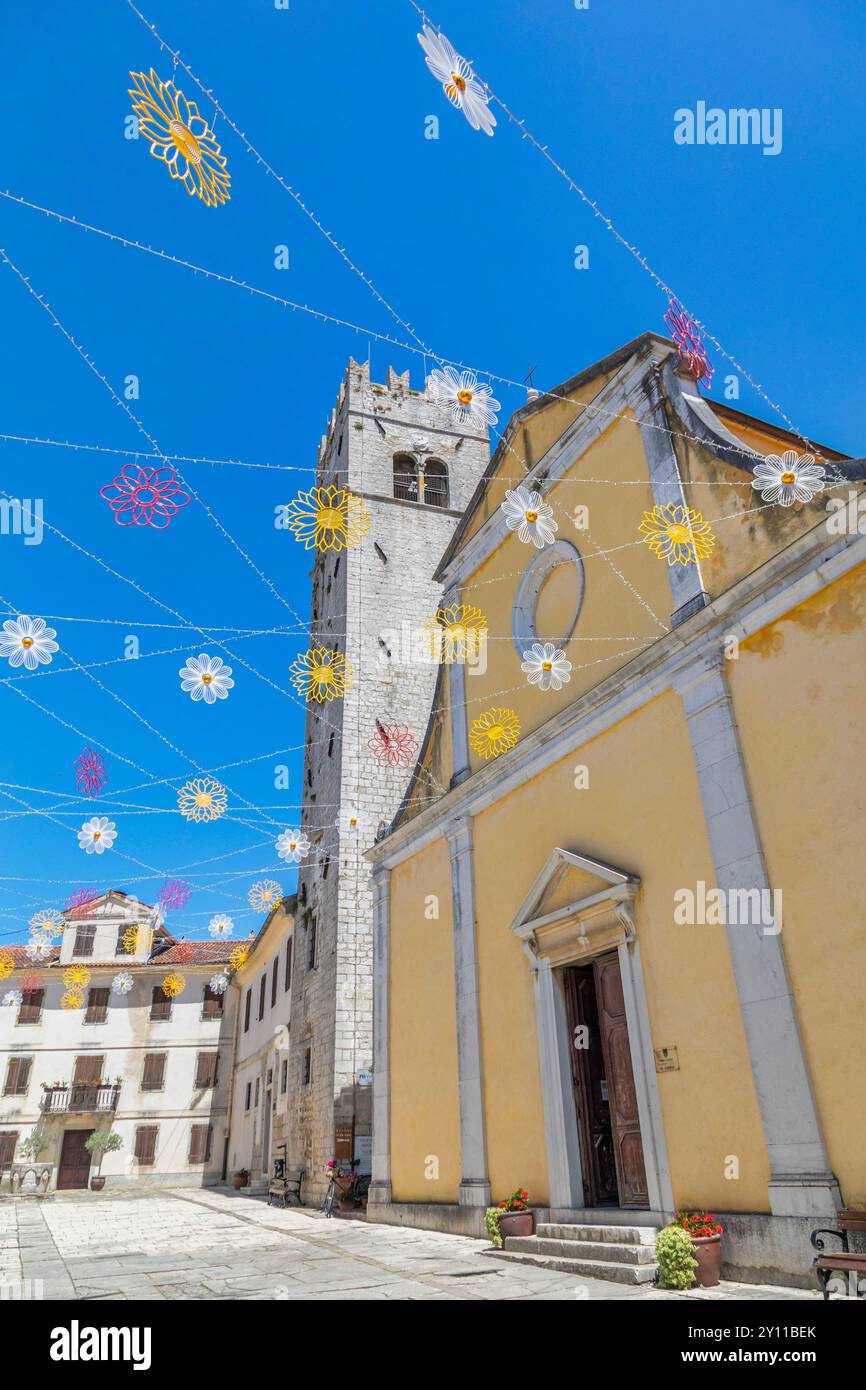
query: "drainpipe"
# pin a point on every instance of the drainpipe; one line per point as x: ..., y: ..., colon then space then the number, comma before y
x: 239, y: 1001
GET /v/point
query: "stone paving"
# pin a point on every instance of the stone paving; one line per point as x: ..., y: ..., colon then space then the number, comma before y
x: 217, y: 1244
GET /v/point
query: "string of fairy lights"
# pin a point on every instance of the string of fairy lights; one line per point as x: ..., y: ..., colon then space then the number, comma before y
x: 153, y: 488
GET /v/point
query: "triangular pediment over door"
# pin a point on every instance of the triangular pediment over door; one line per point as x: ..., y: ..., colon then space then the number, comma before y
x: 577, y: 908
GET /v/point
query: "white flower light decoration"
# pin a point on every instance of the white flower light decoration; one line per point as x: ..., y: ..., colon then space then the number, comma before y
x: 39, y: 949
x: 462, y: 88
x: 348, y: 822
x: 792, y: 478
x: 13, y: 998
x: 97, y: 835
x: 218, y: 984
x: 546, y: 666
x: 530, y: 516
x: 122, y: 983
x: 465, y: 397
x: 28, y: 642
x: 206, y: 678
x: 220, y: 926
x: 292, y: 846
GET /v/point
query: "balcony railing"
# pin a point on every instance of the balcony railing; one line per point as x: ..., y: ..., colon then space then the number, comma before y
x: 79, y: 1098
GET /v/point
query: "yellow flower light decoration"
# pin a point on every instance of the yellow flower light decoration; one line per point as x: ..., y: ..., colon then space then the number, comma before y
x: 677, y: 534
x: 203, y: 799
x: 494, y: 732
x: 239, y: 957
x: 456, y: 633
x: 265, y: 895
x: 71, y: 999
x: 180, y: 137
x: 329, y: 518
x: 321, y: 674
x: 47, y: 923
x: 7, y: 964
x: 129, y: 940
x: 173, y: 985
x: 77, y: 977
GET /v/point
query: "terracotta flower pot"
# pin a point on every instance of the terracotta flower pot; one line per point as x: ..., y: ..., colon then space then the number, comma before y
x: 239, y: 1181
x: 97, y: 1184
x: 708, y: 1253
x: 516, y: 1223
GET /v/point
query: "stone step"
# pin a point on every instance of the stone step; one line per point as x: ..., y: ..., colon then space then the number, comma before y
x: 599, y: 1250
x: 587, y: 1269
x: 617, y: 1235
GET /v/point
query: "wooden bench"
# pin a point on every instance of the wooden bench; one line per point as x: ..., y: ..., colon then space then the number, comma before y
x: 287, y: 1188
x: 845, y: 1260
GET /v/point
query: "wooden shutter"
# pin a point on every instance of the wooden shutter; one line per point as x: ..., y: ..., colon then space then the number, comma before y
x: 120, y: 949
x: 31, y: 1006
x: 212, y: 1004
x: 206, y: 1068
x: 97, y: 1006
x: 153, y: 1076
x: 312, y: 934
x: 160, y: 1006
x: 262, y: 986
x: 84, y: 941
x: 8, y: 1141
x: 88, y: 1070
x: 288, y: 981
x: 145, y: 1143
x: 199, y: 1143
x: 274, y: 982
x: 247, y: 1010
x: 17, y: 1076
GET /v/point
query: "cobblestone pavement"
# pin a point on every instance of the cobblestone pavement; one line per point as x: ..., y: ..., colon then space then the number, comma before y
x: 215, y: 1243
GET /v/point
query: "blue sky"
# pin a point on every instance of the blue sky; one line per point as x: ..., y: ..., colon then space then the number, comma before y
x: 471, y: 239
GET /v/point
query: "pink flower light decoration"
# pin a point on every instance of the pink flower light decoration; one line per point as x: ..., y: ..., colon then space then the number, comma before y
x: 30, y: 981
x: 79, y: 898
x: 686, y: 335
x: 90, y: 772
x: 393, y: 745
x: 174, y: 894
x: 144, y: 496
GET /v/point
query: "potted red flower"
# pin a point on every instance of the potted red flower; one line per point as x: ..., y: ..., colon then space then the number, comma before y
x: 241, y: 1178
x: 706, y: 1234
x: 515, y: 1218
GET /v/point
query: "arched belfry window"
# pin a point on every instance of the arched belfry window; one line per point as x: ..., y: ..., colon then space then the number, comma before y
x: 435, y: 483
x: 405, y: 478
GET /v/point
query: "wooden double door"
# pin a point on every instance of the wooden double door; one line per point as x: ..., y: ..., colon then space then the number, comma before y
x: 74, y: 1170
x: 611, y: 1151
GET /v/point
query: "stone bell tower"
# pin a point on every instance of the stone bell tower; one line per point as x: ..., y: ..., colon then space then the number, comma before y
x: 401, y: 451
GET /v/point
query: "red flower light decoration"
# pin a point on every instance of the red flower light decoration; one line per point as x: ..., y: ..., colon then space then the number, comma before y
x: 174, y: 894
x: 143, y: 496
x: 30, y: 980
x: 78, y: 898
x: 393, y: 745
x: 686, y: 335
x: 90, y: 772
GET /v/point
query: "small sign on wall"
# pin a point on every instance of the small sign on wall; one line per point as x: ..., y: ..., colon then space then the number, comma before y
x: 667, y: 1059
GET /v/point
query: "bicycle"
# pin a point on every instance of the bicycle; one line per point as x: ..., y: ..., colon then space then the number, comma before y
x: 343, y: 1183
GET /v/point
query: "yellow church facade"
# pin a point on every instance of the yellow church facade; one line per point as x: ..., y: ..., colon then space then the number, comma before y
x: 619, y: 928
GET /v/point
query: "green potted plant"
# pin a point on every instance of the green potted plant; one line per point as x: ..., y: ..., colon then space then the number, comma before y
x: 706, y: 1234
x: 35, y: 1142
x: 676, y: 1258
x: 98, y: 1144
x: 513, y: 1216
x: 241, y: 1178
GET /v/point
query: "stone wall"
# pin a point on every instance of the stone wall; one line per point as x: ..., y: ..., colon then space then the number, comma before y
x: 371, y: 604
